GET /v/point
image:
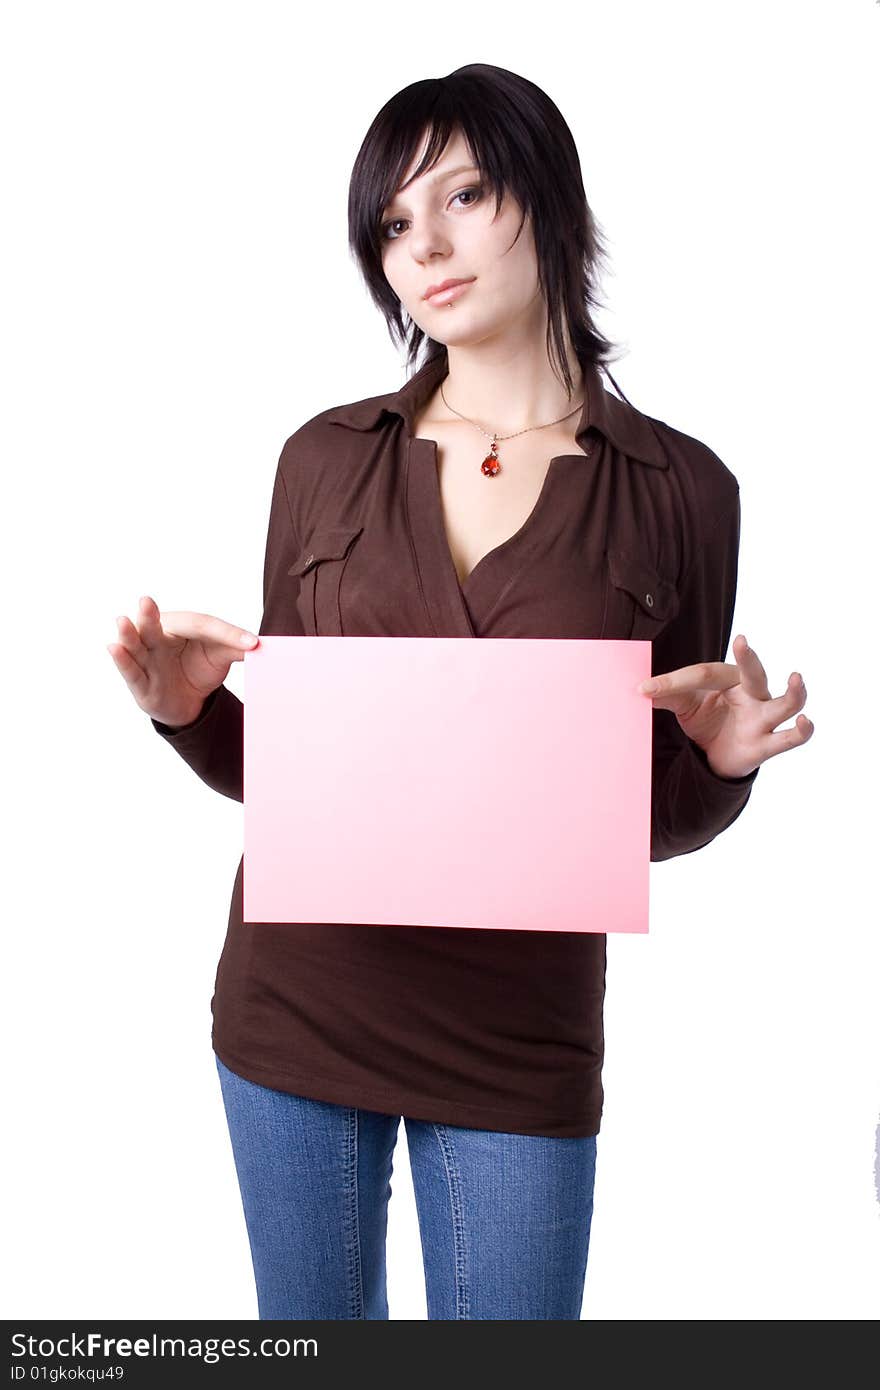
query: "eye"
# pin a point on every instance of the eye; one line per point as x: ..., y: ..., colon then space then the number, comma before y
x: 395, y: 221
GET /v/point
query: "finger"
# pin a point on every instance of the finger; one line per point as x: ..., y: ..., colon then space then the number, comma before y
x: 780, y: 742
x: 228, y: 635
x: 784, y: 706
x: 243, y: 638
x: 688, y: 680
x: 130, y: 638
x: 135, y: 677
x: 149, y: 622
x: 202, y: 627
x: 753, y: 676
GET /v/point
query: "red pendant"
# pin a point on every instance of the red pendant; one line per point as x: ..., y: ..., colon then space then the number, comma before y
x: 491, y: 465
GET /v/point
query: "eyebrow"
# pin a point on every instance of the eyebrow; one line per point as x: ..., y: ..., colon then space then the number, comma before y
x: 441, y: 177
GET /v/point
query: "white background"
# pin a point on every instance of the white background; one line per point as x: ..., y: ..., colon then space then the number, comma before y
x: 178, y: 298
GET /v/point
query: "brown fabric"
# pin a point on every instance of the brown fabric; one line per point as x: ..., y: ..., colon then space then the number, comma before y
x: 487, y: 1029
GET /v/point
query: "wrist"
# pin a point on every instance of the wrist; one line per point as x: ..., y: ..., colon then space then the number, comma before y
x: 727, y: 775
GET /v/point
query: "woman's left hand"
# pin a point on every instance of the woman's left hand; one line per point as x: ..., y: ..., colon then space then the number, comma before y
x: 729, y: 711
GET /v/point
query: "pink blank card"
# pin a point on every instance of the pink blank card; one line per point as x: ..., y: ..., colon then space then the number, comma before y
x: 447, y: 782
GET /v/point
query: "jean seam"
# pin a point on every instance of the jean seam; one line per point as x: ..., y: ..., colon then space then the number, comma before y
x: 353, y: 1238
x: 453, y: 1182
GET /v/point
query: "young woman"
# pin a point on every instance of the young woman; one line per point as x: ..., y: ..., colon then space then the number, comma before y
x: 501, y: 492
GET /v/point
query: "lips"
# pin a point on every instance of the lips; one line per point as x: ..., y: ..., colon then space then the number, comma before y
x: 444, y: 285
x: 448, y: 291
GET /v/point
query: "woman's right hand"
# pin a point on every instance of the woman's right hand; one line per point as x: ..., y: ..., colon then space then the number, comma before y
x: 172, y: 661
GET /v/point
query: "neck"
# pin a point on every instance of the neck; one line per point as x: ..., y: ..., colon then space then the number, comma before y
x: 507, y: 388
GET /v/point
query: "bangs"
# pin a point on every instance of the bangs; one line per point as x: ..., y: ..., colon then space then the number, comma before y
x: 433, y: 129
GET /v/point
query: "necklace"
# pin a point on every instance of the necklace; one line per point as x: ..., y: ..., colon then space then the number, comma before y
x: 491, y: 465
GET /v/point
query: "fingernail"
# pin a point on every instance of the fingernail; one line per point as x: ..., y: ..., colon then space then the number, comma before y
x: 247, y: 638
x: 649, y: 687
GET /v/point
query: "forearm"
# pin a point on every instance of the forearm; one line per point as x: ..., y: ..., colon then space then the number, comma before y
x: 690, y: 804
x: 213, y: 744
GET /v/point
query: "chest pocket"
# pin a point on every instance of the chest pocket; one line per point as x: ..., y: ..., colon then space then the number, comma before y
x: 319, y: 569
x: 644, y: 602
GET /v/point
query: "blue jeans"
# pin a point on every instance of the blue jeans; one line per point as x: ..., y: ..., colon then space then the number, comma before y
x: 504, y: 1218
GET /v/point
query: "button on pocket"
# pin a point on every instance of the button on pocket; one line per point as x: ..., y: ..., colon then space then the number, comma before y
x: 319, y: 569
x: 646, y: 601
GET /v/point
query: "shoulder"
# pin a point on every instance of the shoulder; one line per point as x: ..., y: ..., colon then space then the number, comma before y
x: 678, y: 465
x: 697, y: 473
x: 323, y: 462
x: 688, y: 500
x: 322, y: 431
x: 320, y: 442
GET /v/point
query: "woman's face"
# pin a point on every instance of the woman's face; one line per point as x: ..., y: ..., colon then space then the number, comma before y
x: 440, y: 228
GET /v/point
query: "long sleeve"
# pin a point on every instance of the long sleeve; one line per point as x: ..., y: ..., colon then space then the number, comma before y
x: 691, y: 804
x: 213, y: 744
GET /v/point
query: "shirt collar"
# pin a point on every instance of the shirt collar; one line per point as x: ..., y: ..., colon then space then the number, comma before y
x: 625, y: 427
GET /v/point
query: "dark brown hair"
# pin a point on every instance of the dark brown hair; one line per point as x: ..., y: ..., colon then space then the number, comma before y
x: 519, y: 141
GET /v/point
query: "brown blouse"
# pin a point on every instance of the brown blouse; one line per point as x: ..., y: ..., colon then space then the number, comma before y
x: 637, y: 538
